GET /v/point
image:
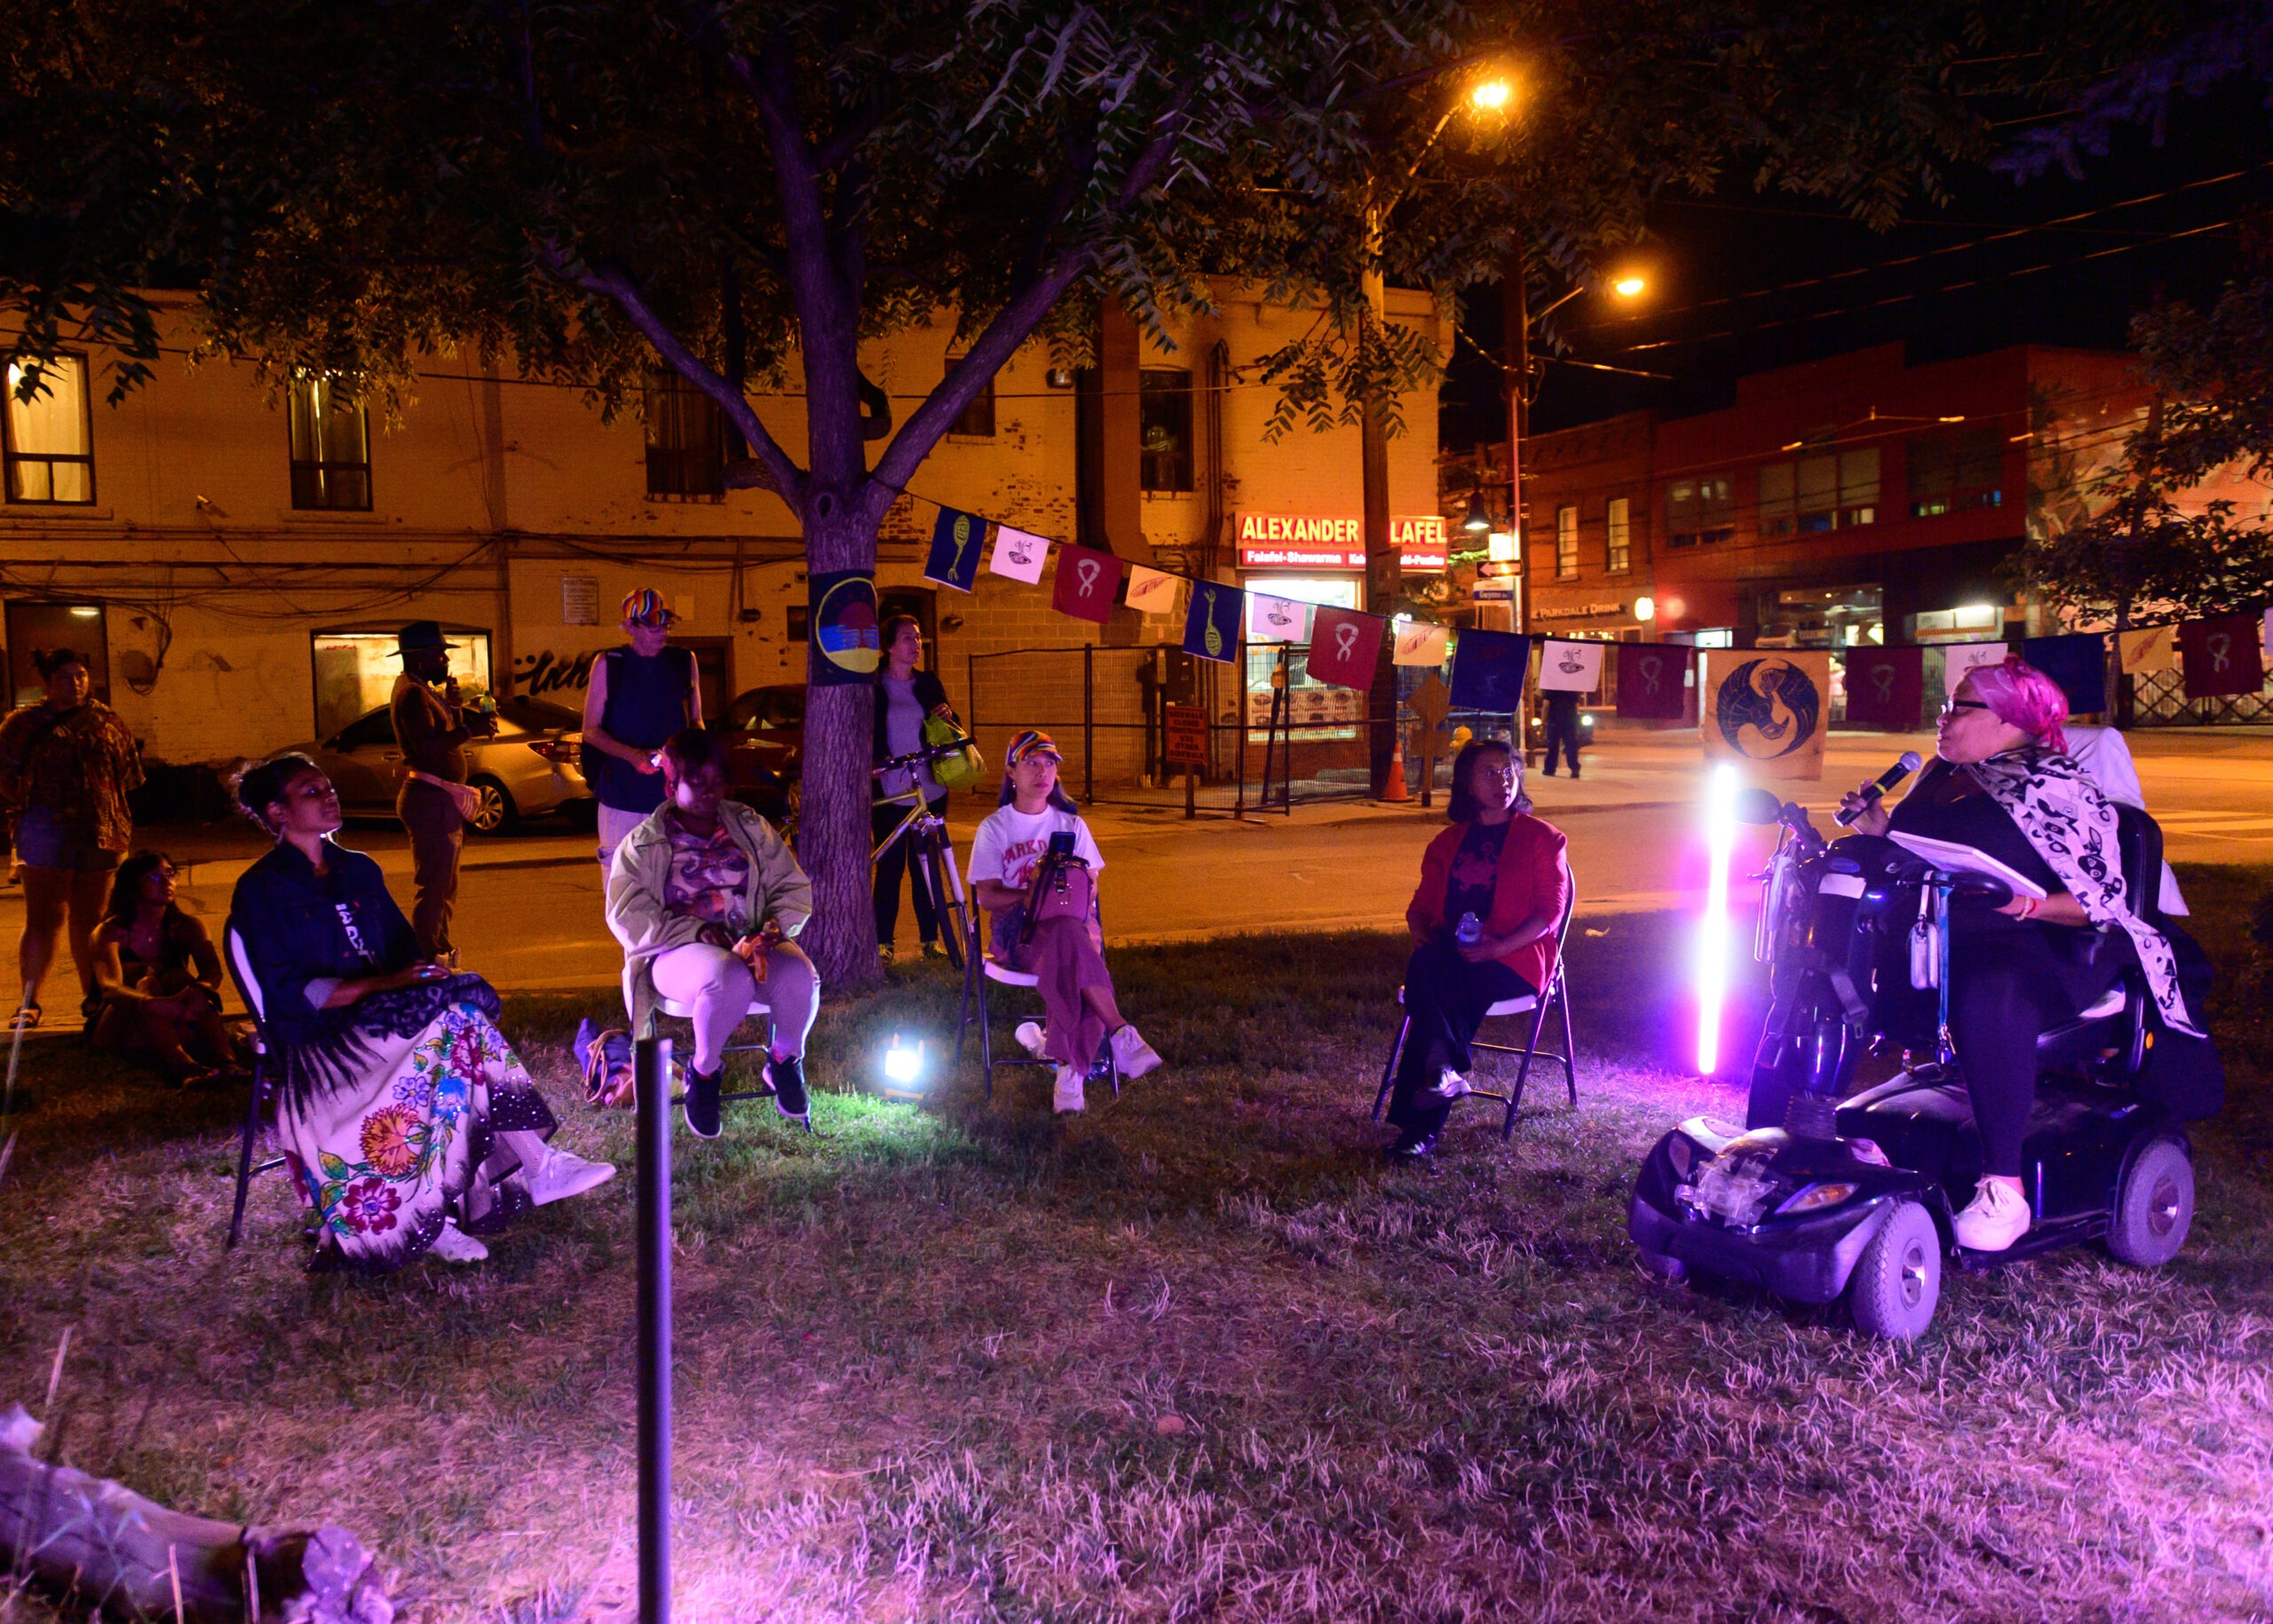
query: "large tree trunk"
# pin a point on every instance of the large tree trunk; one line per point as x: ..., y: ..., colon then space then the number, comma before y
x: 833, y: 823
x: 94, y: 1543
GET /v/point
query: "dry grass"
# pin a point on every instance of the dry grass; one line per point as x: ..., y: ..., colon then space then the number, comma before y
x: 1196, y: 1356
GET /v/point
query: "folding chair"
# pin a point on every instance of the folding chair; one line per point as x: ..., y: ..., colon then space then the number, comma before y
x: 977, y: 971
x: 1556, y: 994
x: 677, y: 1011
x: 265, y: 1079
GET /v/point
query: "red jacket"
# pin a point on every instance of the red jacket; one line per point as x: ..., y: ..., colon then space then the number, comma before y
x: 1532, y: 877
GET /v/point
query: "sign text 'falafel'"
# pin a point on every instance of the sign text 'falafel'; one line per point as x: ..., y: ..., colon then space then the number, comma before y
x: 1282, y: 541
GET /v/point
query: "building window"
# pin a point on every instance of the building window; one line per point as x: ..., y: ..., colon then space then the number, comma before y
x: 1817, y: 494
x: 1165, y: 428
x: 1953, y: 473
x: 686, y: 441
x: 978, y: 419
x: 48, y: 442
x: 331, y: 447
x: 1618, y: 550
x: 1566, y: 543
x: 1700, y: 510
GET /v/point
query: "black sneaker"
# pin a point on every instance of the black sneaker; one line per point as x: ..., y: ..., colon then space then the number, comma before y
x: 702, y: 1104
x: 789, y: 1080
x: 1101, y: 1068
x: 1412, y: 1146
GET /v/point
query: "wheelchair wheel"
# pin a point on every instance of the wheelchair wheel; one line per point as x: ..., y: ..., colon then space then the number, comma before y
x: 1897, y: 1280
x: 2154, y: 1207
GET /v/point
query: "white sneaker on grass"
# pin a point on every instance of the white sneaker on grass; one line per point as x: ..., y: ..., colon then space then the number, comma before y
x: 1132, y: 1054
x: 558, y: 1175
x: 1995, y: 1217
x: 454, y: 1246
x: 1069, y: 1096
x: 1029, y: 1037
x: 1450, y: 1086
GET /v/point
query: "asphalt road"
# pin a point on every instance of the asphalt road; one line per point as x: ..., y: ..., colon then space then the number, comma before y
x: 529, y: 908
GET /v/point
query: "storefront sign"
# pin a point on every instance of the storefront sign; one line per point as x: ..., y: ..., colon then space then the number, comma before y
x: 1280, y: 541
x: 1579, y: 612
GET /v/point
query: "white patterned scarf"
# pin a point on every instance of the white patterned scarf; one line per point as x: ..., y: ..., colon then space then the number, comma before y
x: 2071, y: 825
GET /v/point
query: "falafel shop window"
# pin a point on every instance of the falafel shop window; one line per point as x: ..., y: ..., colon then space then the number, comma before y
x: 355, y: 670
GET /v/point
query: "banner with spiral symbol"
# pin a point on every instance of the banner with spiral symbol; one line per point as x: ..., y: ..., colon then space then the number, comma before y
x: 1767, y: 712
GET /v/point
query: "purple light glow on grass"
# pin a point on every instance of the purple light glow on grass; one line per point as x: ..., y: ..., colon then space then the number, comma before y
x: 1713, y: 939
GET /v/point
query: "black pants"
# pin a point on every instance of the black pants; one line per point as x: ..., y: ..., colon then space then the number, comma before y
x: 882, y: 819
x: 436, y: 837
x: 1445, y: 997
x: 2005, y: 987
x: 1563, y: 732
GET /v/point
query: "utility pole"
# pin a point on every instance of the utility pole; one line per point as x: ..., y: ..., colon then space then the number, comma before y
x: 1383, y: 574
x: 1517, y: 316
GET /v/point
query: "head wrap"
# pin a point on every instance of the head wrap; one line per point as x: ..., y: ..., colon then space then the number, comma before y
x: 2025, y: 698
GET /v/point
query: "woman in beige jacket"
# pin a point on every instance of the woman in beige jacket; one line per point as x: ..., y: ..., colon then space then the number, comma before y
x: 705, y: 898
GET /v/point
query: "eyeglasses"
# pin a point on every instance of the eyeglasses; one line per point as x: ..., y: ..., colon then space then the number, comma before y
x: 1950, y: 708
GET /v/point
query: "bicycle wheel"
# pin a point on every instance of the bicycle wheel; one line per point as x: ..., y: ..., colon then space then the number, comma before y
x: 946, y: 905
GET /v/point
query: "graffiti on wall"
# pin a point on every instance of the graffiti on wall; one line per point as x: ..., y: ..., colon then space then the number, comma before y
x: 548, y: 672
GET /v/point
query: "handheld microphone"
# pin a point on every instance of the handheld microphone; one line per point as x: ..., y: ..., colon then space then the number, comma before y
x: 1886, y: 781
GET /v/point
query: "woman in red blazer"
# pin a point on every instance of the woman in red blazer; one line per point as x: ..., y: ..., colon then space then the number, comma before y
x: 1505, y: 866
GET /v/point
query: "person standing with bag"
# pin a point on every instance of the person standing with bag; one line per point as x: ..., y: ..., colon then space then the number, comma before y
x: 907, y: 699
x: 641, y: 696
x: 435, y: 803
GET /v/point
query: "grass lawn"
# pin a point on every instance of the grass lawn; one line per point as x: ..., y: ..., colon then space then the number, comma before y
x: 1197, y: 1355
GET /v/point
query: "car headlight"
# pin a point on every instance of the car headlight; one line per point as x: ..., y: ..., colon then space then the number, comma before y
x: 1815, y: 1198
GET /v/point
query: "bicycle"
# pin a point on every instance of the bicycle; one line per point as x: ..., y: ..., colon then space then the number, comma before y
x: 931, y: 855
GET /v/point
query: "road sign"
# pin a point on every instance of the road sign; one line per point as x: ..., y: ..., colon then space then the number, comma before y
x: 1185, y: 744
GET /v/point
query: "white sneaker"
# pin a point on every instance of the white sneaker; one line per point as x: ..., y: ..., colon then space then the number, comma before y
x: 1069, y: 1096
x: 454, y: 1246
x: 1450, y: 1086
x: 558, y: 1175
x: 1995, y: 1217
x: 1030, y: 1038
x: 1132, y: 1054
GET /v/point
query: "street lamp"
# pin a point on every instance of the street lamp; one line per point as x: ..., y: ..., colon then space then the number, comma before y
x: 1628, y: 286
x: 1478, y: 521
x: 1491, y: 95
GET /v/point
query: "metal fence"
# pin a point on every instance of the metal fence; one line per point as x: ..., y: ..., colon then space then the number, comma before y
x: 2158, y: 699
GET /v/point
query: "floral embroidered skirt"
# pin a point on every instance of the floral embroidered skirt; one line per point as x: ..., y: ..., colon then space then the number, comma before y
x: 396, y: 1123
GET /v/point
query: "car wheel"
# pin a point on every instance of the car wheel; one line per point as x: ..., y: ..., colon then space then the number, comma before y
x: 2154, y: 1207
x: 1897, y: 1280
x: 495, y: 814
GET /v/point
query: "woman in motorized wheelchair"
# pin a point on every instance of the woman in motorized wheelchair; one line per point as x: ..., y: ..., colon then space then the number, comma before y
x: 2003, y: 783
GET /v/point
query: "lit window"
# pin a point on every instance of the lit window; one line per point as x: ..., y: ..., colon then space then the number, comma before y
x: 1165, y: 428
x: 1618, y: 552
x: 978, y: 419
x: 50, y: 442
x: 1777, y: 515
x: 1828, y: 492
x: 686, y: 441
x: 1566, y: 543
x: 331, y: 446
x: 1700, y: 510
x: 1952, y: 473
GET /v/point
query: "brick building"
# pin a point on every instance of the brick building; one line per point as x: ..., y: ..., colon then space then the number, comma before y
x: 237, y: 565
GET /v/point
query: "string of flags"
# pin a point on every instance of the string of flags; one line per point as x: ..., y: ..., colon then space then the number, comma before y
x: 1885, y: 686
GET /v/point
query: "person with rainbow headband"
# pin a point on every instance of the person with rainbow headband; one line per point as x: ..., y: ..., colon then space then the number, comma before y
x: 641, y: 695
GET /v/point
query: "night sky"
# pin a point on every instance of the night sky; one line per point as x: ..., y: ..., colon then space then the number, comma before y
x: 1712, y: 317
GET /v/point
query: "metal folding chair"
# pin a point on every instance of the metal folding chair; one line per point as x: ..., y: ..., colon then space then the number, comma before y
x: 1556, y: 994
x: 266, y: 1082
x: 677, y: 1011
x: 977, y: 971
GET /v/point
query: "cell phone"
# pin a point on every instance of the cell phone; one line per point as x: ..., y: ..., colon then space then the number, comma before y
x: 1061, y: 843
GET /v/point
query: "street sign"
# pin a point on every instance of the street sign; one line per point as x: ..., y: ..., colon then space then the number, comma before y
x: 1185, y: 740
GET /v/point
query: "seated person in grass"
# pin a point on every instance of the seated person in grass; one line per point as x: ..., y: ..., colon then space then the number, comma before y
x: 158, y: 980
x: 406, y: 1116
x: 1499, y: 871
x: 1065, y: 954
x: 704, y: 897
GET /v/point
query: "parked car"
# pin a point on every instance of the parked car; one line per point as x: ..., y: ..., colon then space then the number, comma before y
x: 528, y: 770
x: 765, y: 750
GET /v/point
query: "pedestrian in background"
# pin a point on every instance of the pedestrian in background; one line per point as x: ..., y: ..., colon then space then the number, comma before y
x: 435, y: 803
x: 65, y: 766
x: 641, y: 696
x: 1563, y: 728
x: 905, y: 699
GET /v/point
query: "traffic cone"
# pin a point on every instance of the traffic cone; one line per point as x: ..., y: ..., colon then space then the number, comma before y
x: 1396, y: 789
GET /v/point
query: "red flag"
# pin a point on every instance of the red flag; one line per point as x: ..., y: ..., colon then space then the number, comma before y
x: 1650, y: 681
x: 1088, y: 582
x: 1345, y: 645
x: 2221, y: 656
x: 1885, y: 687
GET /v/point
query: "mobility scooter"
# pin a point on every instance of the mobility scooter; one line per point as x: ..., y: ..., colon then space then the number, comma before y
x: 1820, y: 1195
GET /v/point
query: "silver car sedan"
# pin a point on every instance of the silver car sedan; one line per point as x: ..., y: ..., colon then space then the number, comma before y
x: 528, y: 770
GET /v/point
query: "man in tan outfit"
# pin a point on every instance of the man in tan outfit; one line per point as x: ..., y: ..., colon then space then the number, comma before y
x: 433, y: 803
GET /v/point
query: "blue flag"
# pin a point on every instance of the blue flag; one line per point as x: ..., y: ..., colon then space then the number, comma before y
x: 1488, y: 671
x: 1211, y: 625
x: 958, y: 541
x: 2078, y: 663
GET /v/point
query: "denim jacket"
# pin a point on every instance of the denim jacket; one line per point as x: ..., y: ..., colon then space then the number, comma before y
x: 304, y: 933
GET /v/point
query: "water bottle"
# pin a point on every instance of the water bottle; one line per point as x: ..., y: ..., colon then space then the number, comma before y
x: 1469, y: 932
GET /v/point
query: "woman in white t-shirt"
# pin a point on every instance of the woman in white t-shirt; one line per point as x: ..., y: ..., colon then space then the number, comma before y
x: 1086, y: 1031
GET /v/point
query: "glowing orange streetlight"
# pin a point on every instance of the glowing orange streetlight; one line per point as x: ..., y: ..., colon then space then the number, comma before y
x: 1491, y: 95
x: 1629, y: 286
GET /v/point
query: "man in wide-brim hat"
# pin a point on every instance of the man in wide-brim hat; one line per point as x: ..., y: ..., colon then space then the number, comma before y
x: 435, y: 803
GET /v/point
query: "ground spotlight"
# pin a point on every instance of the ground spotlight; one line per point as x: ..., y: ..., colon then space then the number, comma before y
x: 903, y: 1068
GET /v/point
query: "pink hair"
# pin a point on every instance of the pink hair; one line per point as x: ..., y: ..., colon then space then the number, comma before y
x: 2025, y: 698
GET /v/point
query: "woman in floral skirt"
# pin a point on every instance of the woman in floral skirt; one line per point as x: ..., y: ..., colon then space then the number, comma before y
x: 407, y: 1117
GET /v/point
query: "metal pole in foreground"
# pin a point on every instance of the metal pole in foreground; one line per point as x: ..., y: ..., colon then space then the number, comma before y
x: 651, y: 1070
